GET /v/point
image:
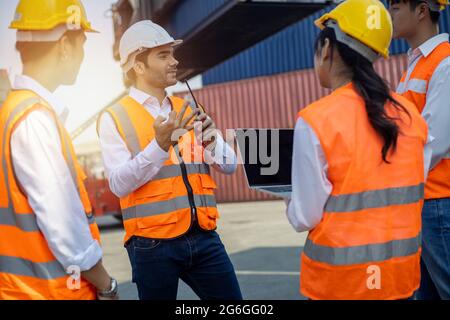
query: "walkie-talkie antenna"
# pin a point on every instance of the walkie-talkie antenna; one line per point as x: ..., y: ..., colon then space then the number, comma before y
x: 192, y: 94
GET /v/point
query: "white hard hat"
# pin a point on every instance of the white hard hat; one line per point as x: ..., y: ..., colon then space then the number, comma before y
x: 140, y: 36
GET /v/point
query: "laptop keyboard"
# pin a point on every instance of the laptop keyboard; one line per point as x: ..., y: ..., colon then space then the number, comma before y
x: 278, y: 189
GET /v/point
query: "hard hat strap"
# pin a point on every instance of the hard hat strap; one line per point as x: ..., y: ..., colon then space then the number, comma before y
x: 353, y: 43
x: 132, y: 59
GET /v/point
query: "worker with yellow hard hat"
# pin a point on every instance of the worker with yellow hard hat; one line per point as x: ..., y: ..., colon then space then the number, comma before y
x: 426, y: 83
x: 50, y: 243
x: 358, y: 168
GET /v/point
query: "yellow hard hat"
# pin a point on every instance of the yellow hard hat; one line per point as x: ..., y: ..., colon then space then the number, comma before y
x: 44, y: 15
x: 367, y: 21
x: 443, y: 3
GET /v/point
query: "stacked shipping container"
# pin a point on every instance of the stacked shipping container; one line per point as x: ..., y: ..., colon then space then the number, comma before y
x: 268, y: 102
x: 266, y: 85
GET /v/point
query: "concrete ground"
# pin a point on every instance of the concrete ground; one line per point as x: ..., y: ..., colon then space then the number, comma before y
x: 262, y: 245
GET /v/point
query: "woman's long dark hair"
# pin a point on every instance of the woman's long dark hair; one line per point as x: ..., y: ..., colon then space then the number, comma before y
x: 371, y: 87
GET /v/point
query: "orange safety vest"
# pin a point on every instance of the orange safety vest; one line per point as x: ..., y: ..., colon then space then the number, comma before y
x: 165, y: 207
x: 28, y: 269
x: 415, y: 87
x: 368, y: 243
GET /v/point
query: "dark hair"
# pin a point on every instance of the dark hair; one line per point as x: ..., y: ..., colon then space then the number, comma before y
x: 434, y: 15
x: 141, y: 57
x: 413, y: 4
x: 371, y: 87
x: 31, y: 50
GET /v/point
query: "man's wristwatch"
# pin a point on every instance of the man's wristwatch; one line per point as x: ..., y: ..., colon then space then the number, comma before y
x: 111, y: 292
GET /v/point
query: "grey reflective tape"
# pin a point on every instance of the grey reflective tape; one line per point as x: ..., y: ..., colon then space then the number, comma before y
x: 375, y: 199
x: 402, y: 86
x: 167, y: 206
x: 416, y: 85
x: 155, y: 208
x: 197, y: 168
x: 205, y: 200
x: 173, y: 171
x: 22, y: 267
x: 25, y: 222
x: 131, y: 137
x: 7, y: 215
x: 168, y: 172
x: 362, y: 254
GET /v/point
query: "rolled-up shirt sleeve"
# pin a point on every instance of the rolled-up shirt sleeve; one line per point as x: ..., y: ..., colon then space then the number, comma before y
x: 310, y: 185
x: 223, y: 158
x: 125, y: 173
x: 44, y: 176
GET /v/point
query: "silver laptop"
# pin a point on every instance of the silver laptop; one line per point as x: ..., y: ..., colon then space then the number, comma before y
x: 266, y: 155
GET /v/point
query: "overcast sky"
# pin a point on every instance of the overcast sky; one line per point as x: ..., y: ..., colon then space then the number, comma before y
x: 100, y: 78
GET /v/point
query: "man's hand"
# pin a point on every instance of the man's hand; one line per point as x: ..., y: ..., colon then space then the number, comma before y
x: 207, y: 133
x: 164, y: 130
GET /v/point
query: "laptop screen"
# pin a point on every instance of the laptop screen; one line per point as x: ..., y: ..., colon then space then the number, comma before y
x: 266, y: 155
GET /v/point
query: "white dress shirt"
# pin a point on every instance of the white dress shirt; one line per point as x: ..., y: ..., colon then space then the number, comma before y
x: 125, y: 173
x: 310, y: 185
x: 43, y: 173
x: 437, y: 108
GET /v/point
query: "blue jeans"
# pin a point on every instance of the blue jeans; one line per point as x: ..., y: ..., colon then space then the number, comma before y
x: 198, y: 258
x: 435, y: 261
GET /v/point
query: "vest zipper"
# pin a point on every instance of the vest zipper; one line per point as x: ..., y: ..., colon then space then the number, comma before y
x: 190, y: 192
x: 186, y: 182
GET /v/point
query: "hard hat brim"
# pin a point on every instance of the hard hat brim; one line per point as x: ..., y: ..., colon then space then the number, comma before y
x: 320, y: 23
x: 127, y: 65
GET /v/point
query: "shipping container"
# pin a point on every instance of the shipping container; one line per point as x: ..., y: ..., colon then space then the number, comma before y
x: 214, y: 30
x: 288, y: 50
x: 189, y: 14
x: 268, y: 102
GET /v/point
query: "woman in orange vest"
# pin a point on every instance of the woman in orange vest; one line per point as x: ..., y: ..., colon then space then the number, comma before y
x: 358, y: 167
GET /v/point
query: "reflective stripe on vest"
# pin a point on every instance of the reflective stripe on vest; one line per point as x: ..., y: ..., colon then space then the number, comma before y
x: 415, y: 85
x: 23, y: 267
x: 375, y: 199
x: 27, y: 221
x: 131, y: 137
x: 175, y: 171
x: 362, y: 254
x: 168, y: 206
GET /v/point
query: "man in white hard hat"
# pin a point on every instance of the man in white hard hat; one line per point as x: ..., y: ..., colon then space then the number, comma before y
x: 164, y: 183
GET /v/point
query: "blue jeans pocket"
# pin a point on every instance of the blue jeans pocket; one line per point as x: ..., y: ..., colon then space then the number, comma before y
x: 430, y: 209
x: 444, y: 212
x: 141, y: 243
